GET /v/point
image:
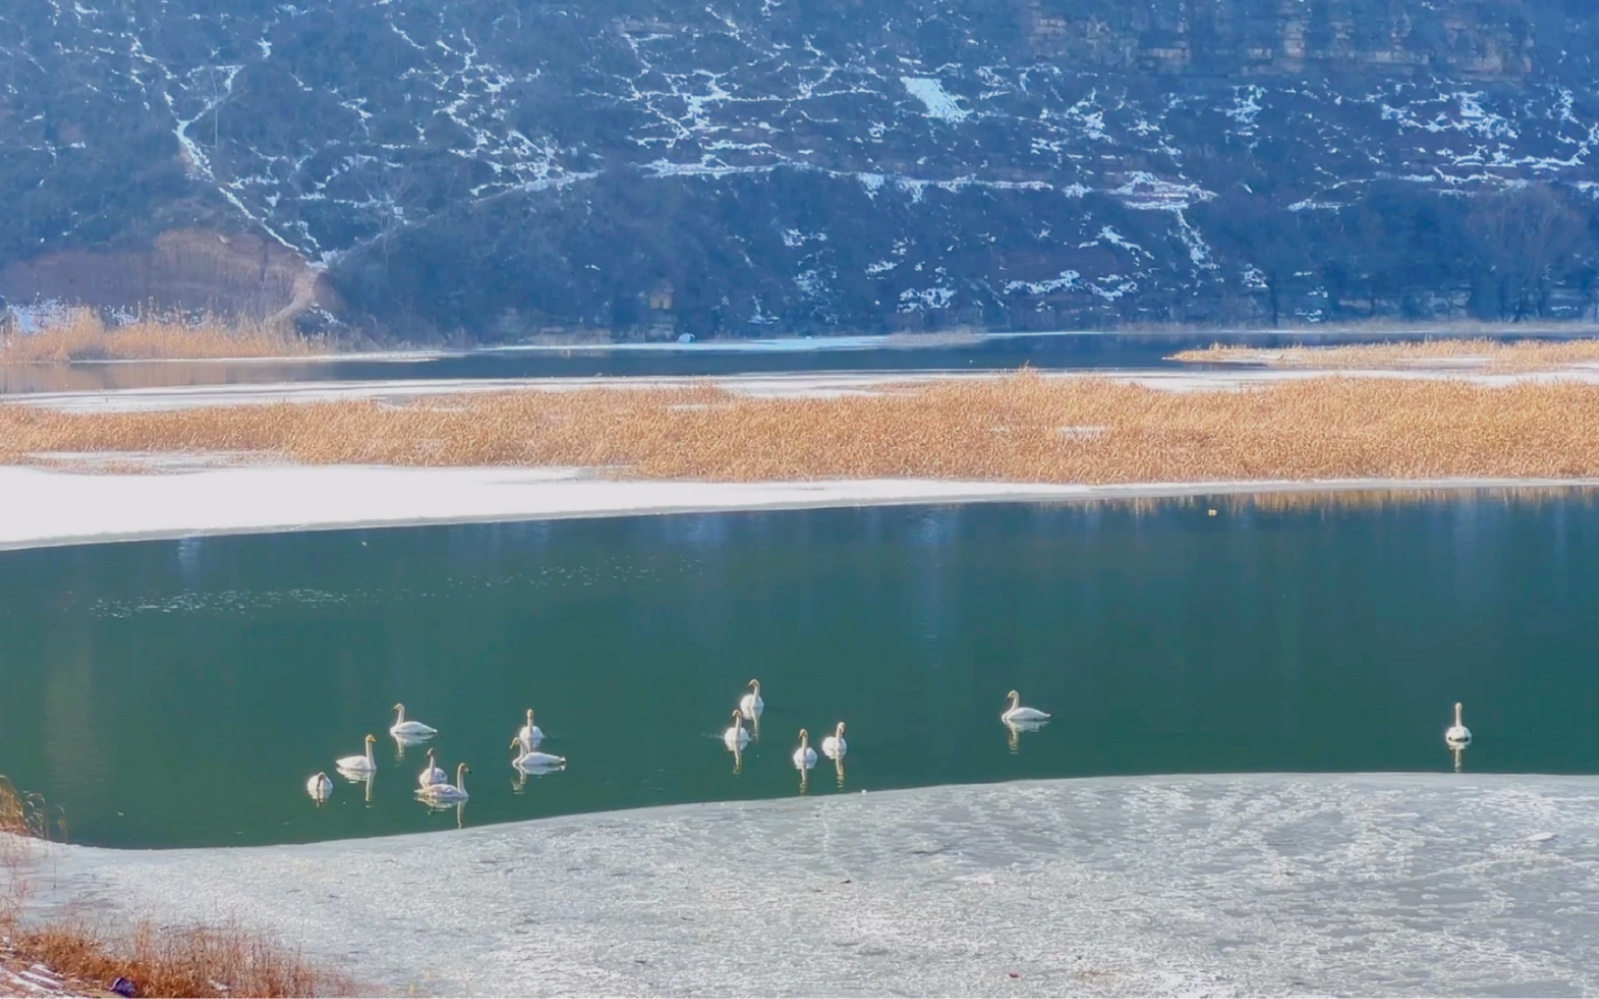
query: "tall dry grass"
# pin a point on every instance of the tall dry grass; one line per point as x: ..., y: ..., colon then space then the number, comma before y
x: 1301, y: 500
x: 1517, y: 355
x: 185, y: 961
x: 1022, y: 428
x: 180, y: 961
x: 25, y: 815
x: 81, y: 335
x: 24, y: 819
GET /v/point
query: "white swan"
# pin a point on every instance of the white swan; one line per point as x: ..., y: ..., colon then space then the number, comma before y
x: 359, y: 764
x: 402, y: 728
x: 319, y: 786
x: 735, y: 736
x: 751, y: 705
x: 449, y: 792
x: 834, y: 747
x: 528, y: 760
x: 529, y: 735
x: 1017, y: 713
x: 1457, y: 734
x: 431, y: 774
x: 804, y: 756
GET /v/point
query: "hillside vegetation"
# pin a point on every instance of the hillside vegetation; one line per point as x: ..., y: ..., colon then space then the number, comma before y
x: 496, y: 168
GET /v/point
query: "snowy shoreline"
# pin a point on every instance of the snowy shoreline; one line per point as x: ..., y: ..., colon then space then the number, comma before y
x: 1372, y: 884
x: 46, y: 508
x: 813, y: 385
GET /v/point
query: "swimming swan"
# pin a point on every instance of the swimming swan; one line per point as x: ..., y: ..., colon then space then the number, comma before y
x: 804, y: 756
x: 431, y: 774
x: 359, y: 764
x: 448, y: 792
x: 402, y: 728
x: 1457, y: 734
x: 735, y: 736
x: 529, y: 735
x: 527, y: 760
x: 834, y: 747
x: 319, y: 787
x: 751, y: 705
x: 1017, y: 713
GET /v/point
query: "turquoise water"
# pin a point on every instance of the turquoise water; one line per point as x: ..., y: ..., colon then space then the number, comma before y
x: 179, y: 693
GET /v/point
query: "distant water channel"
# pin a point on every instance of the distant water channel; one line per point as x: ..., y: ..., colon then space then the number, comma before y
x: 179, y: 693
x: 1050, y: 351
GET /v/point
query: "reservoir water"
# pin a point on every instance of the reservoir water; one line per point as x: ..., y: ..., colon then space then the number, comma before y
x: 988, y: 352
x: 180, y: 693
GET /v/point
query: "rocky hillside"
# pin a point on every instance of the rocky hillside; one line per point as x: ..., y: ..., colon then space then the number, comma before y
x: 739, y: 167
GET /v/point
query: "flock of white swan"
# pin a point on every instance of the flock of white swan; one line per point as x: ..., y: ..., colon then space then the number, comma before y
x: 435, y: 788
x: 433, y: 784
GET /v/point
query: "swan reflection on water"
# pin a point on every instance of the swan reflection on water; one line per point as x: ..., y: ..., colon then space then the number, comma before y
x: 519, y: 782
x: 403, y: 742
x: 1014, y: 730
x: 438, y: 807
x: 366, y: 778
x: 1457, y: 737
x: 838, y: 771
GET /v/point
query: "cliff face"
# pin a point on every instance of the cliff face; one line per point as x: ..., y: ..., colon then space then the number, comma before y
x: 746, y: 166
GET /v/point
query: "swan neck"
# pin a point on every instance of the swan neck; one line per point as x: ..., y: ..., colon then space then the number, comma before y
x: 1457, y: 717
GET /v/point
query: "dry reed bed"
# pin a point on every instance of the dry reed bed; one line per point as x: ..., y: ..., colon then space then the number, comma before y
x: 1322, y: 501
x: 1518, y: 355
x: 81, y: 335
x: 1021, y: 428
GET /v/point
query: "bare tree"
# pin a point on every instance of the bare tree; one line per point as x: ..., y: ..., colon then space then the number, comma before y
x: 1527, y: 240
x: 1261, y: 234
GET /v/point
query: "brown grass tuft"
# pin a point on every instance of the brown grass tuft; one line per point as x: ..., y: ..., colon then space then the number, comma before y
x: 81, y: 335
x: 226, y: 960
x: 25, y: 814
x: 1019, y: 428
x: 223, y: 960
x: 1516, y: 355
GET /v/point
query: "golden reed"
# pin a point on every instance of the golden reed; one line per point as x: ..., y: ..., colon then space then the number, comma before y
x: 1478, y: 352
x: 81, y: 335
x: 1020, y: 428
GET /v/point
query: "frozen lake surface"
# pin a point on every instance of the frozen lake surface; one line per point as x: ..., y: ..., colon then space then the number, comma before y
x: 1451, y: 884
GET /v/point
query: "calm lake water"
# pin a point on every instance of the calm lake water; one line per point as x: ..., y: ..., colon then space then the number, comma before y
x: 994, y: 353
x: 179, y: 693
x: 654, y: 360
